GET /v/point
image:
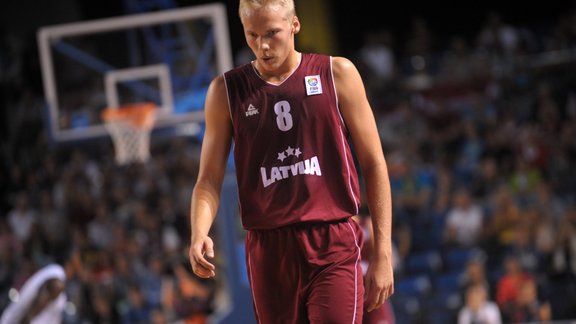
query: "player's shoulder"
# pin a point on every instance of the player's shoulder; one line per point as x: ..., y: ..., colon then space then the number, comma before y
x: 218, y: 82
x: 341, y: 64
x: 343, y: 69
x: 217, y: 89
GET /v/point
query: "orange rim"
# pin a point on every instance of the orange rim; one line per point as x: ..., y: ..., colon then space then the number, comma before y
x: 141, y: 115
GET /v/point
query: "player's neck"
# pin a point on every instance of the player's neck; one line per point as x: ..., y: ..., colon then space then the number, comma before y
x: 283, y: 72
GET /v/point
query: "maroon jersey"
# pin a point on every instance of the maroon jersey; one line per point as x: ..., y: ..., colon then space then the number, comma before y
x: 293, y: 162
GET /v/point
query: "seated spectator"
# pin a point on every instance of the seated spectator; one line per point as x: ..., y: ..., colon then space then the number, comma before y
x: 523, y: 243
x: 464, y: 221
x: 527, y: 307
x: 508, y: 286
x: 22, y: 217
x: 505, y: 216
x: 411, y: 185
x: 478, y: 308
x: 565, y: 249
x: 475, y: 274
x: 139, y: 310
x: 487, y: 178
x: 562, y: 267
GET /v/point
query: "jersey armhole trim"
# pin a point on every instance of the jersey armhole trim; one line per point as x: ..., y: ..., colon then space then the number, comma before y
x: 228, y: 97
x: 336, y: 96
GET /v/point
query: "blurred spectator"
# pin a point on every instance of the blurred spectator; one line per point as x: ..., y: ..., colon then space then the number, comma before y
x: 402, y: 127
x: 510, y: 283
x: 563, y: 157
x: 544, y: 241
x: 478, y: 308
x: 464, y: 221
x: 504, y: 216
x: 497, y: 37
x: 411, y: 185
x: 523, y: 245
x: 459, y: 62
x: 447, y: 127
x: 523, y: 180
x: 377, y: 56
x: 546, y: 110
x: 475, y: 274
x: 173, y: 225
x: 470, y: 153
x: 22, y: 217
x: 377, y: 64
x: 138, y: 310
x: 443, y: 190
x: 565, y: 252
x: 486, y: 179
x: 52, y: 223
x: 152, y: 280
x: 402, y: 245
x: 547, y: 203
x: 527, y: 307
x: 103, y: 307
x: 562, y: 272
x: 101, y: 228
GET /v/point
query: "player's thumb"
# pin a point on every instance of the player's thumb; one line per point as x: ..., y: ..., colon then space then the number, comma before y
x: 209, y: 249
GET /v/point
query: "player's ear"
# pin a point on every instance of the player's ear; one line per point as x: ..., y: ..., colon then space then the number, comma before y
x: 295, y: 25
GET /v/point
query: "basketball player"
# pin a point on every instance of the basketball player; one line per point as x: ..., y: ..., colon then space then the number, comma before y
x: 290, y: 116
x: 41, y: 300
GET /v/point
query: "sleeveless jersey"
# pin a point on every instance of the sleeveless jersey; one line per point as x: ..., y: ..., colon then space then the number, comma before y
x: 293, y: 162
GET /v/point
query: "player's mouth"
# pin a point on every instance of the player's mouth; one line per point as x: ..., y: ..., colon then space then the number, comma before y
x: 267, y: 59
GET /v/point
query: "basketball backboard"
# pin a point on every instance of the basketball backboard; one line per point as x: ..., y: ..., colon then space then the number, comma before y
x: 167, y: 57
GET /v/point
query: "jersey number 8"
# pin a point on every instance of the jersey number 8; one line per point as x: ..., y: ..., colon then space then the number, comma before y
x: 283, y: 116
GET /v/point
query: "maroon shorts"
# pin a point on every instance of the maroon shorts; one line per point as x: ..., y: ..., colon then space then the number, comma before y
x: 307, y: 273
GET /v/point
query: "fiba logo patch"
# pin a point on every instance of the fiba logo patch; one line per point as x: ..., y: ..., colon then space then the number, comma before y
x: 313, y: 85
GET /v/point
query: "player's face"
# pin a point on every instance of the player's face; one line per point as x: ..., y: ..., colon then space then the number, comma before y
x: 269, y: 32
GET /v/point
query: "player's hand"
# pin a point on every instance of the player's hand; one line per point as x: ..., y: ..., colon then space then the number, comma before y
x: 201, y: 249
x: 379, y: 282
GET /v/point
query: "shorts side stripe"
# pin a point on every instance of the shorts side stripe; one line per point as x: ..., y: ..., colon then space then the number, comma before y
x: 252, y: 289
x: 358, y: 258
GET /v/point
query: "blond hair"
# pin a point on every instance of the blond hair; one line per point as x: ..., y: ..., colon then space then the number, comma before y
x: 250, y: 5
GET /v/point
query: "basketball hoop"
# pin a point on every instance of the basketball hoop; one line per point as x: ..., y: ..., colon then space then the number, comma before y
x: 130, y: 127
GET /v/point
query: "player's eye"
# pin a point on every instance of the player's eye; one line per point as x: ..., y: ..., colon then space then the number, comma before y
x: 271, y: 33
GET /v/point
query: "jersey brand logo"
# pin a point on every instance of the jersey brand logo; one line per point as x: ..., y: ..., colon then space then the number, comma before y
x: 251, y: 111
x: 313, y: 85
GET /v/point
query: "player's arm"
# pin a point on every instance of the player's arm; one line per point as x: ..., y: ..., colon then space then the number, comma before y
x: 361, y: 124
x: 206, y: 195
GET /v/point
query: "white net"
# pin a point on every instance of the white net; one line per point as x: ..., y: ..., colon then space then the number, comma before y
x: 130, y: 129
